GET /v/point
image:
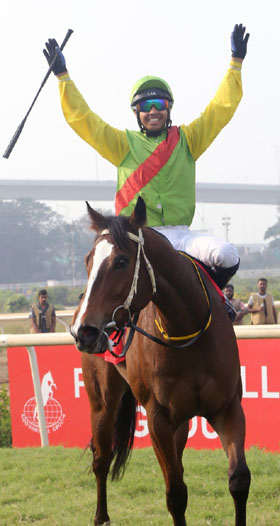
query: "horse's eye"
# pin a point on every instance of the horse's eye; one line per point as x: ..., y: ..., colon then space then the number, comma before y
x: 121, y: 262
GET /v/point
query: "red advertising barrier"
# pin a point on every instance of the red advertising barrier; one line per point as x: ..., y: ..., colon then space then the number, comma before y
x: 67, y: 408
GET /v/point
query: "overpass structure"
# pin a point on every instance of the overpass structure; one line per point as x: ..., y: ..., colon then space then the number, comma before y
x: 86, y: 190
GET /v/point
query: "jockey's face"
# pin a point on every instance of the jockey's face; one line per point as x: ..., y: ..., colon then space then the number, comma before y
x: 154, y: 120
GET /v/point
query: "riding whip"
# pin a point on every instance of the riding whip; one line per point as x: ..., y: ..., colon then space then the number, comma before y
x: 20, y: 127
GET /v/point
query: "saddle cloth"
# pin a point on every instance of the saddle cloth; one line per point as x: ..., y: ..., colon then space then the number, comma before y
x: 108, y: 357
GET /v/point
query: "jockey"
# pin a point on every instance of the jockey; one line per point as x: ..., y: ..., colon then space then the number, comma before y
x: 158, y: 162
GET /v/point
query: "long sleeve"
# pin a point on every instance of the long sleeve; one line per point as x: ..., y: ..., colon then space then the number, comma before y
x: 109, y: 142
x: 203, y: 130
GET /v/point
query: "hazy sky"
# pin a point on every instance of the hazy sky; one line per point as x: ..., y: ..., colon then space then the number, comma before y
x: 114, y: 44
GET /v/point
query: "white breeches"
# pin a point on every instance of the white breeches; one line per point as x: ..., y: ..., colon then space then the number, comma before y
x: 211, y: 250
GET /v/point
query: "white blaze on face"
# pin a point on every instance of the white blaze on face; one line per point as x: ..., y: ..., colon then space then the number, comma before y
x: 102, y: 251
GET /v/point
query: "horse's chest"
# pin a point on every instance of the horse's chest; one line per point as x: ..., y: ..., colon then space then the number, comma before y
x: 170, y: 391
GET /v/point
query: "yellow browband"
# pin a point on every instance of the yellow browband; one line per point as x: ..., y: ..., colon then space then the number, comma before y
x: 189, y: 336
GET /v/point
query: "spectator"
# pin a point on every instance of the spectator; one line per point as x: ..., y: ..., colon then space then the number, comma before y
x: 261, y: 305
x: 42, y: 316
x: 241, y: 309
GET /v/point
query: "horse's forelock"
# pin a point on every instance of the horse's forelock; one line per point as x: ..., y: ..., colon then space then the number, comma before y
x: 118, y: 227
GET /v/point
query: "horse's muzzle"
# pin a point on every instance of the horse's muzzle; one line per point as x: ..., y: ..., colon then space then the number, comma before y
x: 89, y: 339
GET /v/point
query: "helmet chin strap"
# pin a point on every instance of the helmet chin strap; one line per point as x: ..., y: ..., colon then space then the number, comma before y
x: 155, y: 133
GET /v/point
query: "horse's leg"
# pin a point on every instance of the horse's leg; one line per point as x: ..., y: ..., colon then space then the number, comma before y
x: 231, y: 429
x: 169, y: 457
x: 104, y: 387
x: 181, y: 437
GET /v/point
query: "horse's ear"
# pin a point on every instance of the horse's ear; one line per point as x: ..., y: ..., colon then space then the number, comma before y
x: 138, y: 216
x: 98, y: 221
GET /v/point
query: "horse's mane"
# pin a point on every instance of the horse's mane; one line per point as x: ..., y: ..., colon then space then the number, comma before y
x: 118, y: 227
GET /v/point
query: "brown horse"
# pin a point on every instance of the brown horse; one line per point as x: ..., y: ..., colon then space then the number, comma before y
x: 190, y: 368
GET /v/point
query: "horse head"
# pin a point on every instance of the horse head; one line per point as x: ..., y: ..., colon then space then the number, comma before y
x: 113, y: 267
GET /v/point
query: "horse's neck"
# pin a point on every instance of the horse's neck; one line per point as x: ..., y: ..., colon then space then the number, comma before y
x: 180, y: 298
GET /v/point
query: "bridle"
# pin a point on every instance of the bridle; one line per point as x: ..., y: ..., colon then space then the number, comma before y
x: 133, y: 289
x: 132, y: 323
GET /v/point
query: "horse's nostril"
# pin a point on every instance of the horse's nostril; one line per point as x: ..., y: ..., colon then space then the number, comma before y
x: 88, y: 334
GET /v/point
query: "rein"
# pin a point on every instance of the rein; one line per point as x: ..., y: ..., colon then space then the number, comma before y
x: 192, y: 338
x: 197, y: 333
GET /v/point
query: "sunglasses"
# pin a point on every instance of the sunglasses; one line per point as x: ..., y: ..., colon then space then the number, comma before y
x: 146, y: 105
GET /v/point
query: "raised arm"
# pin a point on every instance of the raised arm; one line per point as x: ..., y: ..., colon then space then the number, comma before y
x: 203, y: 130
x: 109, y: 142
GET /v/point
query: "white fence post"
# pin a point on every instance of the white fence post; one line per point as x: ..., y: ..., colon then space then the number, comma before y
x: 38, y: 396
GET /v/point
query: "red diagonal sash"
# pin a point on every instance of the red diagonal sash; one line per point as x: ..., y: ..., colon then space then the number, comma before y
x: 147, y: 170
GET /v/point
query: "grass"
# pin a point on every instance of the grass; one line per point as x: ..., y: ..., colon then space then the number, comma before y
x: 23, y: 326
x: 52, y: 487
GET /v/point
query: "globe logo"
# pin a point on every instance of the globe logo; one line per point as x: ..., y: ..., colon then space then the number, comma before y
x: 53, y: 411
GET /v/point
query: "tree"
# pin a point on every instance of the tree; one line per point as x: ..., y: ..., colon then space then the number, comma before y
x: 273, y: 233
x: 38, y: 245
x: 17, y: 303
x: 26, y: 240
x: 81, y: 242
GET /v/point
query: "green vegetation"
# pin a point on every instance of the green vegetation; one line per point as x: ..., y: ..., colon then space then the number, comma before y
x: 52, y: 487
x: 16, y: 303
x: 243, y: 288
x: 63, y: 297
x: 5, y: 418
x: 60, y: 297
x: 23, y: 326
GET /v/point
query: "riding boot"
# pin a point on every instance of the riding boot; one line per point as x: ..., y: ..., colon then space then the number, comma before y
x: 222, y: 277
x: 223, y: 274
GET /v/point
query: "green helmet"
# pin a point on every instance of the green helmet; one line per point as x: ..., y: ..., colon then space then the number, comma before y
x: 150, y: 87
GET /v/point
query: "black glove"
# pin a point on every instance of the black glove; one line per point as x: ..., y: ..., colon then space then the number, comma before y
x: 53, y: 51
x: 238, y: 41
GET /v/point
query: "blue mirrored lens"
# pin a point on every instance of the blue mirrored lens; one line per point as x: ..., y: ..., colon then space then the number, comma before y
x: 146, y: 105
